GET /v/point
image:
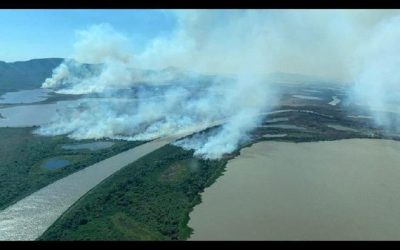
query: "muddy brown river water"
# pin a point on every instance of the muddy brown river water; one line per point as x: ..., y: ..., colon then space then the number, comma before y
x: 336, y: 190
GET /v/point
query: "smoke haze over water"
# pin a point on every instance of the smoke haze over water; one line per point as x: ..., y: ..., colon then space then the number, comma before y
x: 146, y: 94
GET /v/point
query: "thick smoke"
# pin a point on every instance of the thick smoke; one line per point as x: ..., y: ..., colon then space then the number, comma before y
x: 157, y: 103
x: 377, y: 74
x: 100, y: 45
x: 311, y: 42
x: 248, y: 109
x: 139, y: 96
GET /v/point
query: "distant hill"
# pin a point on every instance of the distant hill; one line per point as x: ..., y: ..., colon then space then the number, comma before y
x: 28, y: 74
x: 31, y: 74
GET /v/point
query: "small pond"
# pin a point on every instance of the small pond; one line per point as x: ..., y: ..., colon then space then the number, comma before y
x: 55, y: 163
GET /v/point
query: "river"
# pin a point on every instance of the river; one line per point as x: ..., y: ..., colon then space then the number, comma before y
x: 336, y: 190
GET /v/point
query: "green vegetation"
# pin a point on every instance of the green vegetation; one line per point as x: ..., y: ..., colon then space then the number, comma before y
x: 149, y: 199
x: 22, y: 154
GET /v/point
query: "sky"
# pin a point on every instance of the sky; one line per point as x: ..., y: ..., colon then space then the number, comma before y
x: 29, y: 34
x: 325, y: 43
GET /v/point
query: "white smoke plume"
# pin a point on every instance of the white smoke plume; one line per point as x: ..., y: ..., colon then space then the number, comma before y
x: 100, y: 45
x: 376, y: 71
x: 159, y: 103
x: 138, y: 104
x: 311, y: 42
x: 247, y: 114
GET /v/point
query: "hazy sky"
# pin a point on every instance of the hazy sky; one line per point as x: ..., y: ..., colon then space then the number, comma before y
x: 27, y: 34
x: 326, y: 43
